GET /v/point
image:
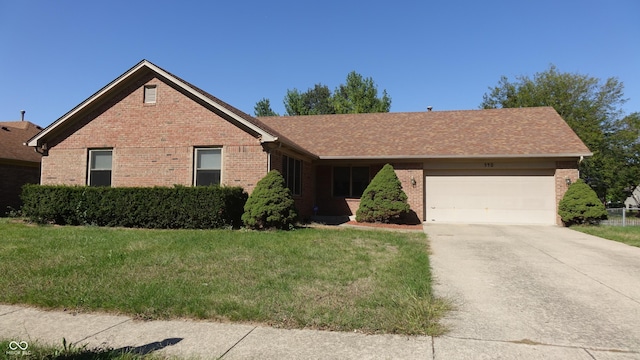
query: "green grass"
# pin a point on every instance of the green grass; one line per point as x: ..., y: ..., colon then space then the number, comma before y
x: 629, y: 235
x: 334, y: 279
x: 37, y: 351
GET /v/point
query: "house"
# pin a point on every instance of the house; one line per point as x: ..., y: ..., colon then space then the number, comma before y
x: 19, y: 164
x: 633, y: 201
x: 149, y: 127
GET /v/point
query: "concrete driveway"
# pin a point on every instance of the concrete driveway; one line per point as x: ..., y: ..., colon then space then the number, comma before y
x: 535, y: 292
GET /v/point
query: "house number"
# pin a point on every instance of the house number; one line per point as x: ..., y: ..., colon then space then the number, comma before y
x: 489, y: 165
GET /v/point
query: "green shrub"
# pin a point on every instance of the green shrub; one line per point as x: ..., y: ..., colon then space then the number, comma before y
x: 270, y: 205
x: 383, y: 200
x: 179, y: 207
x: 580, y: 205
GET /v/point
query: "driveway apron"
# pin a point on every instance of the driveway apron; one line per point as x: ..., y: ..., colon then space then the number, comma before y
x: 540, y: 288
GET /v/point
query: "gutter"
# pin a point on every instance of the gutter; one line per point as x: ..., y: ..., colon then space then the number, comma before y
x: 488, y: 156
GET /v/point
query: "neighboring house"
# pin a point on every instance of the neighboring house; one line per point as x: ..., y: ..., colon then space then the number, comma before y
x: 150, y: 128
x: 633, y: 201
x: 19, y: 164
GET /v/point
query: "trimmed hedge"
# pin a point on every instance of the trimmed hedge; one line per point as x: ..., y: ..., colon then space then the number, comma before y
x: 179, y: 207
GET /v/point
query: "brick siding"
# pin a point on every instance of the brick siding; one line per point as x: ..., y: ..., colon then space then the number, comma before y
x: 153, y: 144
x: 564, y: 170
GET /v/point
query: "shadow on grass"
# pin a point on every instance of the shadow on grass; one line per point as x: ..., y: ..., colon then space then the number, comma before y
x: 127, y: 352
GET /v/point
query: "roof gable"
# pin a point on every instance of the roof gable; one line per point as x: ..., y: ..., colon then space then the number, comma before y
x: 248, y: 122
x: 522, y: 132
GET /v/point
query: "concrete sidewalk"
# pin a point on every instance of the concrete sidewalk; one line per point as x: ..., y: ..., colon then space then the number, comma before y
x: 205, y: 340
x: 209, y: 340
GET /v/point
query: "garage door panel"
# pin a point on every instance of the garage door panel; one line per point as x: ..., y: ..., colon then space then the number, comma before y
x: 471, y: 198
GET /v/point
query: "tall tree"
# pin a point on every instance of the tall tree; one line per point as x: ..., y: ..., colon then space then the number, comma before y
x: 360, y: 95
x: 263, y: 108
x: 314, y: 101
x: 624, y: 148
x: 293, y: 103
x: 591, y: 107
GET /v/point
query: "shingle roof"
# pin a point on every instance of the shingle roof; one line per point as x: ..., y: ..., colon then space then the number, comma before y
x: 13, y: 134
x: 253, y: 120
x: 527, y: 132
x: 523, y: 132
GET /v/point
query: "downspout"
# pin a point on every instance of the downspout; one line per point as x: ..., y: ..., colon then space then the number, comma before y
x: 268, y: 161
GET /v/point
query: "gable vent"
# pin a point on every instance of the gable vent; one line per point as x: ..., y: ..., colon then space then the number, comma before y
x: 150, y: 94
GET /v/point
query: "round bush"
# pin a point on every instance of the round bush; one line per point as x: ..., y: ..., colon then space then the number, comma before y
x: 270, y: 205
x: 580, y: 205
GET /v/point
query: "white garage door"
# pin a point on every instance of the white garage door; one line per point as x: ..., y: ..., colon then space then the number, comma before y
x: 500, y: 197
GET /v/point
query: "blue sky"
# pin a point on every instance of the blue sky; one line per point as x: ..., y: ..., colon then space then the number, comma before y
x: 55, y: 54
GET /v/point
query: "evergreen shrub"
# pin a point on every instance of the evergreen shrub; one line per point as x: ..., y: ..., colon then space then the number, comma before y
x: 270, y: 205
x: 580, y: 205
x: 383, y: 200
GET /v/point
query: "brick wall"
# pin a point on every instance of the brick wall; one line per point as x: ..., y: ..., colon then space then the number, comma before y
x: 408, y: 173
x: 153, y: 144
x: 12, y: 177
x: 330, y: 205
x: 564, y: 170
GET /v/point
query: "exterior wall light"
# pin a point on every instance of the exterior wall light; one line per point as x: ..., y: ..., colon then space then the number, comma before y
x: 413, y: 181
x: 568, y: 181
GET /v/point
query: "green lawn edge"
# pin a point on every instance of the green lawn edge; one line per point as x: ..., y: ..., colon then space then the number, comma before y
x: 328, y: 279
x: 629, y: 235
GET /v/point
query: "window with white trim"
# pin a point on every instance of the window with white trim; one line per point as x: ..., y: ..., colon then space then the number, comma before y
x: 208, y: 166
x: 292, y: 173
x: 150, y: 92
x: 350, y: 181
x: 100, y: 163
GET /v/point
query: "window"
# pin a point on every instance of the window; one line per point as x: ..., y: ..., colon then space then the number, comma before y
x: 208, y: 166
x: 292, y: 173
x: 100, y: 167
x: 150, y: 94
x: 350, y: 181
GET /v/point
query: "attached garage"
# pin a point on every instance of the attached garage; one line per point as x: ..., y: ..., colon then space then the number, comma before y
x: 491, y: 196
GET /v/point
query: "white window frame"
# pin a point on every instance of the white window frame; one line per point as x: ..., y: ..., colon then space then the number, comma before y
x: 147, y: 99
x: 196, y: 150
x: 90, y: 166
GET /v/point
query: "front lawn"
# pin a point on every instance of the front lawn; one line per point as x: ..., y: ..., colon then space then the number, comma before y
x: 629, y: 235
x: 334, y: 279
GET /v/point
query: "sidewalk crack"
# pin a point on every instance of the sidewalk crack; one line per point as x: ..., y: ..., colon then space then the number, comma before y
x: 11, y: 312
x: 433, y: 348
x: 590, y: 354
x: 101, y: 331
x: 237, y: 342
